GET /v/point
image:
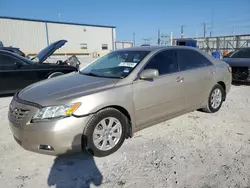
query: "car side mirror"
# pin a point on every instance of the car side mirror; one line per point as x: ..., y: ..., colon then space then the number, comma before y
x: 18, y: 64
x: 149, y: 74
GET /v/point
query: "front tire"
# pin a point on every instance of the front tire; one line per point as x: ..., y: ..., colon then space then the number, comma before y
x: 105, y: 132
x: 215, y: 99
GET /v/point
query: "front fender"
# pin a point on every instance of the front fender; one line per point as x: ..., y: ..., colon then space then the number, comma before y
x: 121, y: 96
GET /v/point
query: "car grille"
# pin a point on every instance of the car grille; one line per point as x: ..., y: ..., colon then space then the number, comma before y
x: 16, y: 115
x: 240, y: 73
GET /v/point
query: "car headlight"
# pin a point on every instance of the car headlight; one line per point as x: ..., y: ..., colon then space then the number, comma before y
x: 52, y: 112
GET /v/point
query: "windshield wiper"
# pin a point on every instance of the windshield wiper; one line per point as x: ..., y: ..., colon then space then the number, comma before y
x: 117, y: 77
x: 89, y: 74
x: 102, y: 76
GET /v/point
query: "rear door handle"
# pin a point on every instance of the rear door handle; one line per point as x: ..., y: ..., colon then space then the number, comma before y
x: 179, y: 79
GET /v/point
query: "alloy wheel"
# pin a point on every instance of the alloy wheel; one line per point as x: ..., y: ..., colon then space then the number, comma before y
x: 216, y: 98
x: 107, y: 133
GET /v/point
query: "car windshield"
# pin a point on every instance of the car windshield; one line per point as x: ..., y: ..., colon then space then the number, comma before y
x: 241, y: 53
x: 117, y: 64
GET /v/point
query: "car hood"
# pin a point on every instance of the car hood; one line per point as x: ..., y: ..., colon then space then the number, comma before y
x: 58, y: 90
x: 48, y: 51
x: 238, y: 62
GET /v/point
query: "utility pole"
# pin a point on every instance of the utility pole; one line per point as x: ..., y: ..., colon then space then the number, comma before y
x: 182, y: 31
x: 196, y: 34
x: 204, y: 30
x: 134, y: 38
x: 233, y: 30
x: 171, y: 38
x: 159, y: 37
x: 212, y: 23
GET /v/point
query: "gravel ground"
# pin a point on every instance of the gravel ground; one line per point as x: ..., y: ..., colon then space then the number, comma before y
x: 195, y: 150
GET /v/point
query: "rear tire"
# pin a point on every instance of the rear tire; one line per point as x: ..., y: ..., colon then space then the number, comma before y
x: 105, y: 132
x: 215, y: 99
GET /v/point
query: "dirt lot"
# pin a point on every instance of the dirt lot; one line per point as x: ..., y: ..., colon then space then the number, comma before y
x: 195, y: 150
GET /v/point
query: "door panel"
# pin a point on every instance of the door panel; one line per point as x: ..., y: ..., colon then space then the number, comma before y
x: 198, y: 73
x: 197, y: 85
x: 14, y: 77
x: 162, y: 96
x: 32, y: 73
x: 37, y: 72
x: 9, y: 79
x: 158, y: 98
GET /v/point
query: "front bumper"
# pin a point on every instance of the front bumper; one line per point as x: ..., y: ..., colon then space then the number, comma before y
x: 62, y: 136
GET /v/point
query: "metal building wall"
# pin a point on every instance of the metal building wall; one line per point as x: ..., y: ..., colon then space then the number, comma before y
x: 32, y: 35
x: 76, y: 35
x: 222, y: 43
x: 27, y: 35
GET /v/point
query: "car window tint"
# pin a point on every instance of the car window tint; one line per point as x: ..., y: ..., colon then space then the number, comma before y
x: 165, y: 62
x: 190, y: 59
x: 6, y: 60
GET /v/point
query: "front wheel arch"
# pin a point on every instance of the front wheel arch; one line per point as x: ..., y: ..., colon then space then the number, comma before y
x: 87, y: 135
x: 54, y: 74
x: 223, y: 85
x: 209, y: 108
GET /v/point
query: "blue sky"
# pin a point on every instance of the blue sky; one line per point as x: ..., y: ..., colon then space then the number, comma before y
x: 144, y: 17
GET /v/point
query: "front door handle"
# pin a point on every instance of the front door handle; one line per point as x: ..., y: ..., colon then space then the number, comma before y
x: 179, y: 79
x: 212, y: 71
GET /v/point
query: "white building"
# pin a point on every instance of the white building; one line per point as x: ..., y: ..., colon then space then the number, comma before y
x: 33, y: 35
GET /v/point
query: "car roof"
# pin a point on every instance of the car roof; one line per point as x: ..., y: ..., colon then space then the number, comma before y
x: 155, y: 48
x: 15, y: 55
x: 2, y: 50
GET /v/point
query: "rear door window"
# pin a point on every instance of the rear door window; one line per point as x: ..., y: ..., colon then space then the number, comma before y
x: 165, y: 62
x: 241, y: 53
x: 191, y: 59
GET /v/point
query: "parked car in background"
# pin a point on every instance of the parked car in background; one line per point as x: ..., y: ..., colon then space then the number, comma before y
x: 17, y: 72
x: 113, y: 97
x: 11, y: 49
x: 227, y: 54
x: 239, y: 60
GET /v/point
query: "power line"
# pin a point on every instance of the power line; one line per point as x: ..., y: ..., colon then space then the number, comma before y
x: 235, y: 26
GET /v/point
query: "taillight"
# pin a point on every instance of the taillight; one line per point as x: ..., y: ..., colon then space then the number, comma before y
x: 229, y: 69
